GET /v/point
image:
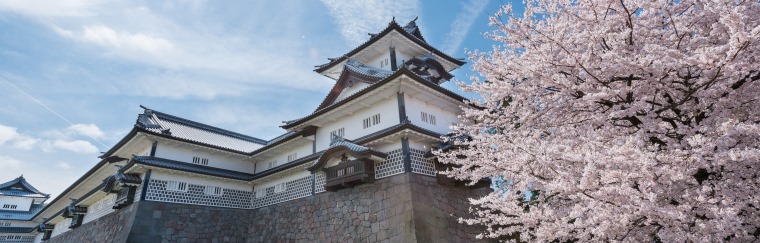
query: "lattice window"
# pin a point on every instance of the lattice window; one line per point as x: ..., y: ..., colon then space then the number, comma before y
x: 319, y: 182
x: 420, y: 165
x: 200, y: 161
x: 272, y: 164
x: 393, y: 165
x: 230, y: 198
x: 100, y: 208
x: 294, y: 189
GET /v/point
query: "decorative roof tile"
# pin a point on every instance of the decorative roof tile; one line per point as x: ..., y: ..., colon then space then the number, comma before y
x: 177, y: 127
x: 410, y: 30
x: 21, y: 188
x: 359, y: 68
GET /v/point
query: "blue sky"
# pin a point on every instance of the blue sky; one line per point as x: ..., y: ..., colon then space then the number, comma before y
x: 74, y: 72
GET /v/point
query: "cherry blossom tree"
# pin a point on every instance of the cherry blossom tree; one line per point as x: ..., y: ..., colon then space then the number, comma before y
x: 617, y: 121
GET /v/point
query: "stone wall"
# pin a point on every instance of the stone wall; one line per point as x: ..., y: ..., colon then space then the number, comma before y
x: 113, y: 227
x: 401, y: 208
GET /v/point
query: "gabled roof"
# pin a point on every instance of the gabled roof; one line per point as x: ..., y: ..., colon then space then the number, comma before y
x: 176, y: 127
x: 354, y: 71
x: 399, y: 72
x: 19, y: 187
x: 21, y: 215
x: 410, y: 31
x: 340, y: 146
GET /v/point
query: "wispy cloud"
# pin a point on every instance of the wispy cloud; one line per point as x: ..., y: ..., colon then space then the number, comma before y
x: 89, y: 130
x: 10, y: 137
x: 461, y: 25
x: 43, y: 8
x: 118, y: 40
x: 357, y: 18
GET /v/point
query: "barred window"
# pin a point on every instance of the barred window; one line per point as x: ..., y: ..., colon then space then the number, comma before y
x: 176, y: 186
x: 282, y: 187
x: 272, y: 164
x: 429, y: 118
x: 292, y: 157
x: 212, y: 190
x: 340, y: 132
x: 371, y: 121
x: 200, y: 161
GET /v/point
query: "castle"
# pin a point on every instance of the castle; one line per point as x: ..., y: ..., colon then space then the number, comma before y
x: 359, y: 168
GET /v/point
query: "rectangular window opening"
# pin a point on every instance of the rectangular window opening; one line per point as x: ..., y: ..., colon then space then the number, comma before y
x: 200, y: 161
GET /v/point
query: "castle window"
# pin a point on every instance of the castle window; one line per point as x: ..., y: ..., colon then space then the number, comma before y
x: 340, y: 132
x: 371, y: 121
x: 212, y: 190
x: 6, y: 224
x: 200, y: 161
x: 176, y: 186
x: 9, y: 206
x: 292, y: 157
x: 429, y: 118
x: 279, y: 188
x: 272, y: 164
x: 261, y: 193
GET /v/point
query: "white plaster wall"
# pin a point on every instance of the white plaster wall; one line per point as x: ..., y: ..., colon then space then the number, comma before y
x: 198, y: 180
x: 351, y: 90
x: 283, y: 179
x: 217, y: 159
x: 282, y: 157
x: 38, y: 238
x: 443, y: 119
x: 402, y: 57
x: 388, y: 147
x: 387, y: 108
x: 419, y: 145
x: 100, y: 208
x: 22, y: 203
x: 62, y: 226
x: 374, y: 61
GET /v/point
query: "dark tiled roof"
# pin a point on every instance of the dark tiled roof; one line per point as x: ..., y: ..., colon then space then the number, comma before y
x: 415, y: 36
x: 359, y: 68
x: 24, y: 189
x: 341, y: 144
x: 21, y: 215
x: 183, y: 166
x: 16, y: 229
x: 120, y: 178
x: 176, y: 127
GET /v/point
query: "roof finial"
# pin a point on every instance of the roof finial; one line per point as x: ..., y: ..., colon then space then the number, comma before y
x: 393, y: 20
x: 415, y: 19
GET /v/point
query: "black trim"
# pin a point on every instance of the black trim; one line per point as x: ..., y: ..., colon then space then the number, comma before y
x: 407, y: 155
x: 394, y: 67
x: 146, y: 181
x: 153, y: 148
x: 401, y: 108
x: 307, y: 131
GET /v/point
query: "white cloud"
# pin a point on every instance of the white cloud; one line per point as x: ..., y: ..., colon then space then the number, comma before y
x: 357, y: 18
x: 76, y: 146
x: 89, y: 130
x: 117, y: 40
x: 461, y: 25
x: 7, y: 163
x: 10, y: 136
x: 43, y: 8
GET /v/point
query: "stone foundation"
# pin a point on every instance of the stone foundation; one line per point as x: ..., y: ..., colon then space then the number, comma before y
x: 401, y: 208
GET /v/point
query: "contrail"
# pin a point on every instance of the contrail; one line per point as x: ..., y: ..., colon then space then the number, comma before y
x: 49, y: 109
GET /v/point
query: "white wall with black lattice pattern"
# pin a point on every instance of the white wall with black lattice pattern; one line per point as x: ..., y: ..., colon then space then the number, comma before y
x: 158, y: 190
x: 320, y: 178
x: 420, y: 165
x: 392, y: 165
x: 100, y: 208
x: 281, y: 192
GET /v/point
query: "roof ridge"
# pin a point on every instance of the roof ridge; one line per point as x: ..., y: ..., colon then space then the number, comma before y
x: 206, y: 127
x: 24, y: 183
